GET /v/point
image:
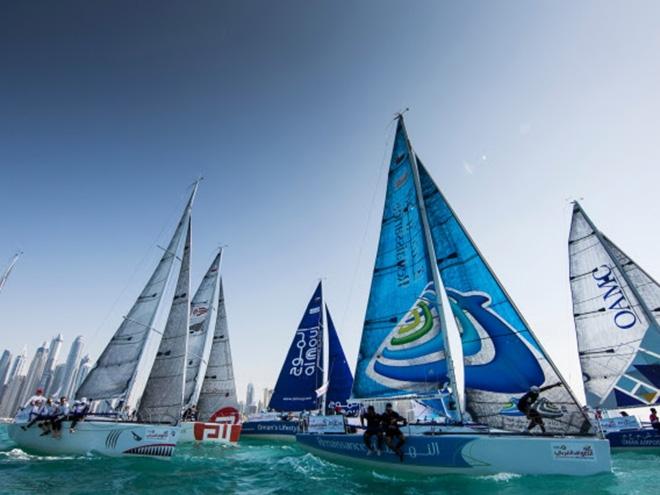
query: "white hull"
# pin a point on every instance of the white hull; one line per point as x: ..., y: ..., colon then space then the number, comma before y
x: 209, y: 433
x: 473, y: 454
x: 107, y: 438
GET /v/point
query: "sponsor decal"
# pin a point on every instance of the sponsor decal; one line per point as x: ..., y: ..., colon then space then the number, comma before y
x: 614, y: 298
x: 326, y: 424
x: 307, y: 343
x: 152, y: 434
x: 572, y: 451
x: 200, y: 311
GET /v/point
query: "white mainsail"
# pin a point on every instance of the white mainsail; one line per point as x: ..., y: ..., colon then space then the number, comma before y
x: 203, y: 315
x: 122, y: 370
x: 616, y: 307
x: 218, y: 388
x: 162, y: 400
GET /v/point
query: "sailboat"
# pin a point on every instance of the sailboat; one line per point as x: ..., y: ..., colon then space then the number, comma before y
x: 209, y: 384
x: 120, y: 376
x: 303, y: 385
x: 616, y: 308
x: 439, y: 324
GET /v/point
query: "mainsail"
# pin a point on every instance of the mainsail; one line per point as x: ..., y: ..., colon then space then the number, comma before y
x: 402, y: 326
x: 403, y: 343
x: 162, y: 400
x: 616, y: 307
x: 122, y: 369
x: 203, y: 315
x: 302, y: 372
x: 339, y: 377
x: 218, y: 388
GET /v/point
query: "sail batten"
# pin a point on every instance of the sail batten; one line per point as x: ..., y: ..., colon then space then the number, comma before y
x: 122, y: 370
x: 617, y: 331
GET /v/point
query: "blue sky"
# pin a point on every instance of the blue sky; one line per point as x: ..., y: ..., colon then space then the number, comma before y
x: 110, y: 110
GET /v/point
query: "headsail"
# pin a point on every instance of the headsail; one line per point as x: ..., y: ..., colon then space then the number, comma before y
x: 616, y: 307
x: 162, y: 400
x: 203, y: 315
x: 340, y: 379
x: 122, y: 369
x: 502, y: 357
x: 302, y: 372
x: 402, y: 330
x: 218, y: 388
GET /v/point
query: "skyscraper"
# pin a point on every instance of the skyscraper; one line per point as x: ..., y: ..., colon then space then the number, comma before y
x: 14, y: 386
x: 83, y: 370
x: 49, y: 369
x: 249, y: 397
x: 56, y: 382
x: 5, y: 365
x: 265, y: 398
x: 35, y: 372
x: 71, y: 367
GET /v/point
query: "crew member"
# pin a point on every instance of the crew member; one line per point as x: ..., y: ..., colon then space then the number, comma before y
x: 373, y: 429
x: 526, y: 406
x: 655, y: 422
x: 391, y: 420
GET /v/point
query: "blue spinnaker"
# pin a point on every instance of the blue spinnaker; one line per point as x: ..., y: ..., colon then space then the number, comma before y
x: 340, y: 377
x: 302, y: 372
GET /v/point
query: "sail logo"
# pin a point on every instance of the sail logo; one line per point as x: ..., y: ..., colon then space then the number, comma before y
x: 200, y: 311
x: 614, y: 298
x: 307, y: 343
x: 412, y: 356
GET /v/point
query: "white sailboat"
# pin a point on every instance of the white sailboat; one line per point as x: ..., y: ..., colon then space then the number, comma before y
x: 616, y: 308
x: 210, y: 383
x: 439, y: 325
x: 119, y: 377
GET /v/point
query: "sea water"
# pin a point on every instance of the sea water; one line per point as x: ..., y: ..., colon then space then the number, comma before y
x: 271, y: 468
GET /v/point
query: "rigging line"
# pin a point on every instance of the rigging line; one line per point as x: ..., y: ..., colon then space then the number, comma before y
x: 138, y: 267
x: 389, y: 141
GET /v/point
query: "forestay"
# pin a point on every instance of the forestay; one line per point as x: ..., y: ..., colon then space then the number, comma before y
x: 122, y: 369
x: 218, y: 388
x: 203, y: 315
x: 302, y: 372
x: 340, y: 379
x: 163, y: 396
x: 616, y: 307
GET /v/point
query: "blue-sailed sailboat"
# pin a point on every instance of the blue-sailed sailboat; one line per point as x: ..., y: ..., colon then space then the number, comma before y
x: 439, y: 324
x: 616, y: 307
x: 303, y: 383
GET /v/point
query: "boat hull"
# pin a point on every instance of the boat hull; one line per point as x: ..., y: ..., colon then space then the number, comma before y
x: 277, y: 430
x: 643, y: 439
x: 473, y: 454
x: 209, y: 433
x: 108, y: 438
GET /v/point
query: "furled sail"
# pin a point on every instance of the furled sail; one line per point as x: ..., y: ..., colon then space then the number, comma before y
x: 340, y: 379
x: 218, y: 388
x: 302, y: 372
x: 502, y: 357
x: 616, y: 307
x: 122, y: 370
x: 203, y: 316
x: 402, y: 331
x: 162, y: 400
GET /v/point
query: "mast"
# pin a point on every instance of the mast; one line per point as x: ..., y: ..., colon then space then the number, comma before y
x: 605, y: 243
x: 437, y: 282
x: 325, y: 361
x: 9, y: 269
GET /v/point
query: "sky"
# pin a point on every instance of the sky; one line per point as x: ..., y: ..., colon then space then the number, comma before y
x: 109, y: 110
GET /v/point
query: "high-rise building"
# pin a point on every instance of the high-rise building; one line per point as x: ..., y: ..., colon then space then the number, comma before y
x: 53, y: 355
x: 265, y: 397
x: 83, y: 370
x: 5, y: 365
x: 71, y: 368
x: 249, y: 396
x: 34, y: 373
x: 11, y: 402
x: 56, y: 382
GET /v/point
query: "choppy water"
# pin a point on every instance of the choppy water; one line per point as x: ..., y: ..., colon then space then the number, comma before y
x: 260, y: 468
